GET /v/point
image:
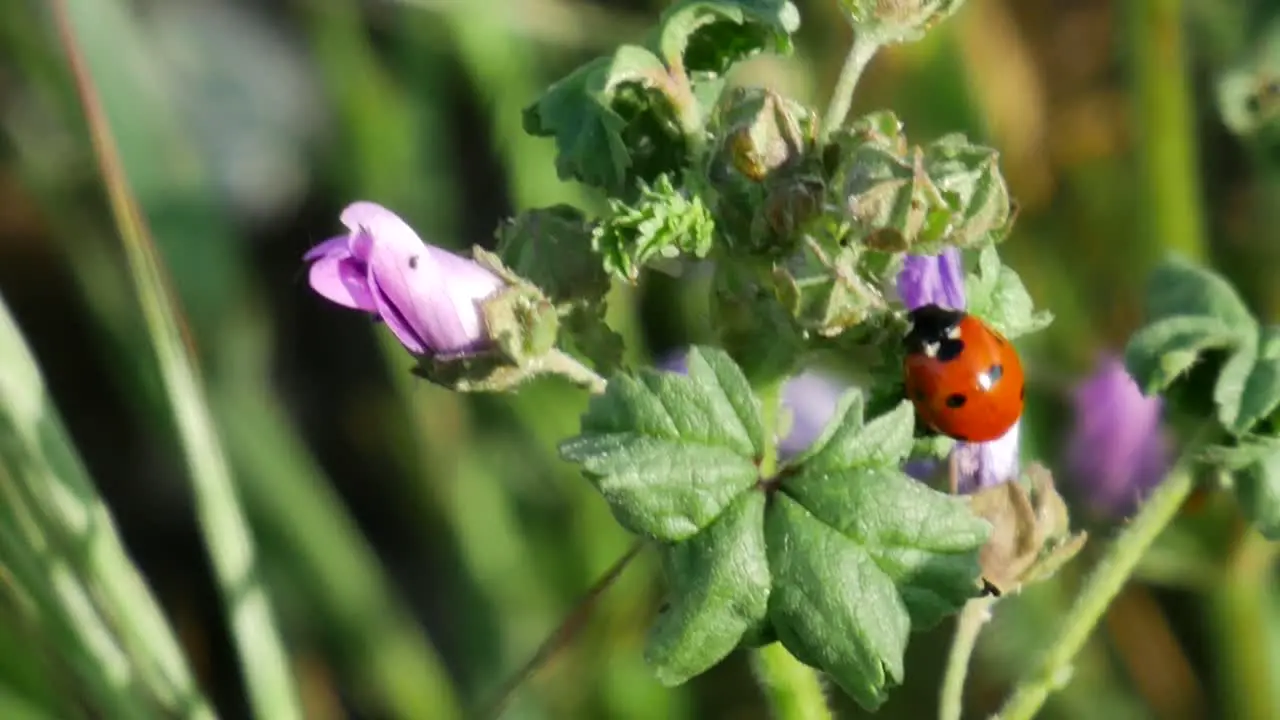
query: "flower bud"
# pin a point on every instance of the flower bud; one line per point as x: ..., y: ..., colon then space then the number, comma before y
x: 887, y: 196
x: 1116, y: 452
x: 969, y: 178
x: 429, y: 297
x: 899, y: 20
x: 899, y: 198
x: 763, y: 131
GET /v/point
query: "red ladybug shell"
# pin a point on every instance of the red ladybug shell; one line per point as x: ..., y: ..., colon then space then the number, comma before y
x: 964, y: 378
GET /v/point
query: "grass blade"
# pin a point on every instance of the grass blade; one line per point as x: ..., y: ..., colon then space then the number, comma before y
x: 61, y: 547
x: 264, y: 663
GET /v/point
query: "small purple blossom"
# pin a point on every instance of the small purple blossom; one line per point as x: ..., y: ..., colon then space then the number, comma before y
x: 427, y: 296
x: 1117, y: 451
x: 933, y: 280
x: 939, y: 280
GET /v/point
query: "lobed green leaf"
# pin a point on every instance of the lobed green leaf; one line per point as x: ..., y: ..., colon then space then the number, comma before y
x: 1178, y: 288
x: 718, y: 590
x: 832, y: 606
x: 846, y: 442
x: 709, y: 36
x: 926, y: 541
x: 861, y: 553
x: 668, y: 451
x: 586, y: 114
x: 1163, y: 351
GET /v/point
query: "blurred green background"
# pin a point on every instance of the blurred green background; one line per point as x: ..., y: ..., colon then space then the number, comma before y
x: 419, y: 545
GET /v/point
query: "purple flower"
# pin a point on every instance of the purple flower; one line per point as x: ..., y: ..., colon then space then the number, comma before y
x: 933, y: 280
x: 1117, y: 451
x: 939, y: 280
x: 427, y: 296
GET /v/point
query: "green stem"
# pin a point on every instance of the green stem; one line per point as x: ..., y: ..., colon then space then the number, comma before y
x: 1099, y: 590
x: 861, y: 51
x: 791, y: 688
x: 1166, y: 147
x: 975, y: 615
x: 264, y: 662
x: 560, y: 363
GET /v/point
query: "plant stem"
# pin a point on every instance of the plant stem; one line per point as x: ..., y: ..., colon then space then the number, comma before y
x: 861, y: 51
x: 1167, y: 165
x: 565, y: 365
x: 791, y: 688
x: 975, y: 615
x: 264, y: 662
x: 1099, y: 590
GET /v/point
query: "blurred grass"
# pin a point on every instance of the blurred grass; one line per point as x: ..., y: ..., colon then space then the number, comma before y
x: 420, y: 545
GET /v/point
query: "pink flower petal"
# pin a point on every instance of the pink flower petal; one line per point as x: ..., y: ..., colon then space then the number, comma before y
x: 415, y: 287
x: 332, y: 246
x: 397, y: 323
x: 342, y: 280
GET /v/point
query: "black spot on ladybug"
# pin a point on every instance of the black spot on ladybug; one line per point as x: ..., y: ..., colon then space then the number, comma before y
x: 956, y: 400
x: 413, y: 262
x: 995, y: 372
x: 949, y: 350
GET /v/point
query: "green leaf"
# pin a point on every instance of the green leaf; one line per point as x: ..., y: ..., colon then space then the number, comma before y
x: 588, y: 112
x: 1179, y: 288
x: 860, y: 552
x: 846, y: 442
x: 670, y: 452
x: 832, y: 607
x: 996, y: 294
x: 1248, y: 388
x: 551, y: 248
x: 709, y: 36
x: 663, y: 223
x: 718, y: 592
x: 1258, y: 488
x: 1161, y: 352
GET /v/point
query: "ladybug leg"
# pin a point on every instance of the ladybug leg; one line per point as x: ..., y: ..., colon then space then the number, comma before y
x: 953, y: 474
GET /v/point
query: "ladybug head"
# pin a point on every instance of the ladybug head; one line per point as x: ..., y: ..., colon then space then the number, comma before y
x: 931, y: 325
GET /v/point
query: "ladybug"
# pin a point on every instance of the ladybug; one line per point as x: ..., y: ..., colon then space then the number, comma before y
x: 964, y: 378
